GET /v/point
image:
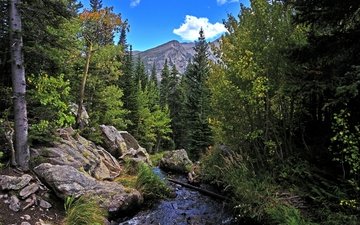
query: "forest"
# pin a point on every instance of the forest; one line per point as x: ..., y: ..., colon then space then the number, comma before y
x: 274, y: 122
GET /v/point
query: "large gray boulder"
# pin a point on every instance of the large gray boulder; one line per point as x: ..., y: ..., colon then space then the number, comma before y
x: 176, y: 160
x: 74, y: 150
x: 65, y: 181
x: 123, y: 145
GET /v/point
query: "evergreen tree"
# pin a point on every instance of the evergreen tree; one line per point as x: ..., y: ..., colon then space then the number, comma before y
x: 153, y: 76
x: 140, y: 73
x: 198, y: 100
x: 164, y: 84
x: 95, y: 5
x: 129, y: 86
x: 176, y: 104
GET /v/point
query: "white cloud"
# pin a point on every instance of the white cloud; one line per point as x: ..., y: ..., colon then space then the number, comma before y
x: 134, y: 3
x: 222, y: 2
x: 189, y: 30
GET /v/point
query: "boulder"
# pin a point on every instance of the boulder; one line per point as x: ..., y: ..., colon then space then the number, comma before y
x: 114, y: 142
x: 14, y: 183
x: 65, y: 181
x: 123, y: 145
x: 74, y: 150
x: 177, y: 161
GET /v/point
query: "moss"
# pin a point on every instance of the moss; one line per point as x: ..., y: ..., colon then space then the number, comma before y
x: 156, y: 158
x: 129, y: 181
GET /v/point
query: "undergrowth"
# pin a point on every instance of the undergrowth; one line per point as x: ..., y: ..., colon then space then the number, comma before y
x: 255, y: 197
x: 150, y: 185
x: 156, y: 158
x: 83, y: 211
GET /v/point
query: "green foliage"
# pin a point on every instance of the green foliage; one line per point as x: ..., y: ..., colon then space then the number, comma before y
x: 151, y: 185
x: 197, y: 103
x: 83, y: 211
x: 155, y: 158
x: 286, y: 215
x: 153, y: 123
x: 1, y: 158
x: 253, y: 195
x: 49, y: 98
x: 109, y: 108
x: 346, y: 142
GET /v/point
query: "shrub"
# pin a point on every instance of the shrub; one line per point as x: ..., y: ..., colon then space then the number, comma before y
x: 150, y: 185
x: 83, y: 211
x: 155, y: 158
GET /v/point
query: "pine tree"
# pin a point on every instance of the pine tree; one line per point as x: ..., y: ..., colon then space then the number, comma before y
x: 198, y: 100
x: 164, y: 84
x: 140, y: 73
x: 153, y: 76
x: 95, y: 5
x: 176, y: 104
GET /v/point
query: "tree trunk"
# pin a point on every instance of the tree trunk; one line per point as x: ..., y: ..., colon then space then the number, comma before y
x: 19, y: 86
x: 79, y: 121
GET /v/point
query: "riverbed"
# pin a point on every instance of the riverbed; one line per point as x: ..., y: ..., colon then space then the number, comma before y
x: 189, y: 207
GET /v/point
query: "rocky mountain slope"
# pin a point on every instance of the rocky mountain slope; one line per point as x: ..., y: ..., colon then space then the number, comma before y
x: 176, y: 53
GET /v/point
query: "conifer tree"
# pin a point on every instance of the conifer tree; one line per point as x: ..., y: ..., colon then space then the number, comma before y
x: 153, y: 76
x: 164, y: 84
x: 95, y: 5
x: 176, y: 99
x: 140, y: 73
x: 198, y: 100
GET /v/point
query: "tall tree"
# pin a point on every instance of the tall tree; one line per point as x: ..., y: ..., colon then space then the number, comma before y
x: 198, y: 99
x: 140, y: 74
x: 153, y: 75
x: 95, y: 5
x: 164, y: 84
x: 19, y: 86
x: 98, y: 29
x: 176, y: 103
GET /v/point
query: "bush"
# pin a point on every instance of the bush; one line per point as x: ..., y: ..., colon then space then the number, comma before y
x: 150, y: 185
x: 155, y: 158
x: 83, y: 211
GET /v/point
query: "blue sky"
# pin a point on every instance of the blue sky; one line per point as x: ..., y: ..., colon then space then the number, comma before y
x: 154, y: 22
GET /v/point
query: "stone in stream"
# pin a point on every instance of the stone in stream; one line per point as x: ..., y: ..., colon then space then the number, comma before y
x: 177, y: 161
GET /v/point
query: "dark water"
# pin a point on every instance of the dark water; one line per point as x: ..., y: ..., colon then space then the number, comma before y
x: 189, y: 207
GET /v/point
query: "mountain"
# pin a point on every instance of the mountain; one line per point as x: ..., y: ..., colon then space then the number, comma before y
x: 176, y: 53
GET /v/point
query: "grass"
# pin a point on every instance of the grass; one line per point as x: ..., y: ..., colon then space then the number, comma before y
x: 150, y: 185
x: 83, y: 211
x: 127, y: 180
x: 155, y: 158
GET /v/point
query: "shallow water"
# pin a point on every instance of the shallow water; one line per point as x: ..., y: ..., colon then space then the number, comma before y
x: 188, y: 207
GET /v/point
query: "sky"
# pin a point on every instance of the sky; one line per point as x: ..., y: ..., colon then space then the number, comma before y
x: 154, y: 22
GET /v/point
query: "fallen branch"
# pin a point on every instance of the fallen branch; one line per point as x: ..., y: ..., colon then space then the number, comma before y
x: 206, y: 192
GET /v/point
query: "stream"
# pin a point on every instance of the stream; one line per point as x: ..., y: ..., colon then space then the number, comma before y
x: 189, y: 207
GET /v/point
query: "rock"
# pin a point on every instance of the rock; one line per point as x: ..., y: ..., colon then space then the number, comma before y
x: 114, y: 142
x: 14, y: 203
x: 27, y: 217
x: 74, y: 150
x: 41, y: 222
x: 25, y: 223
x: 124, y: 145
x: 29, y: 190
x: 44, y: 204
x: 139, y: 155
x: 84, y: 117
x: 68, y: 181
x: 177, y: 161
x: 14, y: 183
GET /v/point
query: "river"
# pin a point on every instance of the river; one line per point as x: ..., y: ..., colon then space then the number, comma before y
x: 189, y: 207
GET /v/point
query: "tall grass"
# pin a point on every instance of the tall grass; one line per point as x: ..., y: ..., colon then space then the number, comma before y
x: 151, y: 185
x: 83, y: 211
